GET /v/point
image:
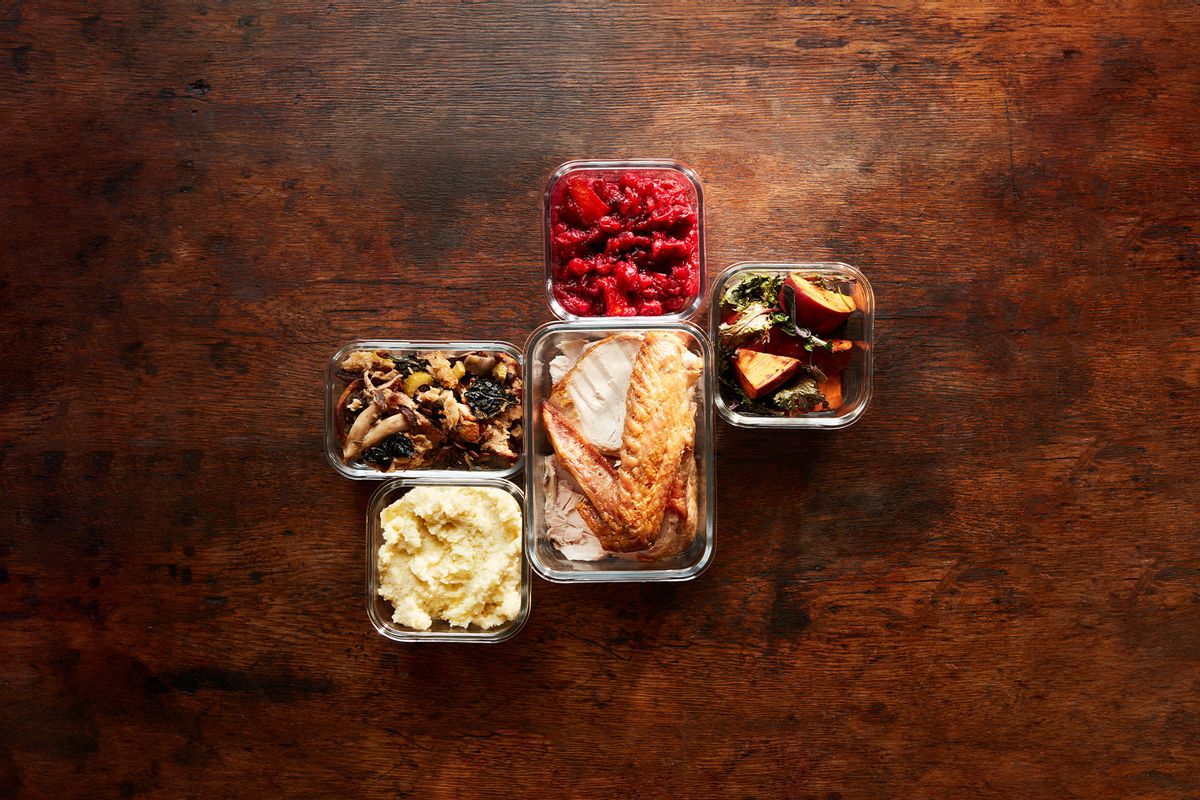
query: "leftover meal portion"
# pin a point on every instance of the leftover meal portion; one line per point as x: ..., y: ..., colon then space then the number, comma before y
x: 782, y: 350
x: 621, y: 417
x: 624, y: 245
x: 451, y: 553
x: 429, y: 410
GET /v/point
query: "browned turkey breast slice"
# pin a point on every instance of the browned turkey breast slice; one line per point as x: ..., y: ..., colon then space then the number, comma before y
x: 679, y: 526
x: 595, y: 476
x: 659, y: 426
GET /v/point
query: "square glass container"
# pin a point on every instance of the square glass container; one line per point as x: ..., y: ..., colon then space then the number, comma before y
x: 860, y: 328
x: 612, y: 168
x: 335, y: 385
x: 380, y: 610
x: 545, y: 558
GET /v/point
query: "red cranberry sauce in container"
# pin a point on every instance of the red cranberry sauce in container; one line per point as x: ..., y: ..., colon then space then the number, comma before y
x: 624, y: 239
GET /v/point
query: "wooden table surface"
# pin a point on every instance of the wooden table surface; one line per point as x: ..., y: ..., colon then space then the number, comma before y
x: 988, y: 587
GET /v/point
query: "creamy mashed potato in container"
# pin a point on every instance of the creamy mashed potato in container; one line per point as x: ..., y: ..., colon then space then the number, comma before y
x: 451, y: 553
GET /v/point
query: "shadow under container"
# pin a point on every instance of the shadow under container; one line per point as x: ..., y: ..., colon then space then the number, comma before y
x: 380, y: 610
x: 545, y: 558
x: 613, y: 169
x: 334, y: 386
x: 860, y: 328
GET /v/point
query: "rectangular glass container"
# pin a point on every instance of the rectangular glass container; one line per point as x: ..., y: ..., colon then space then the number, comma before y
x: 380, y: 610
x: 335, y: 385
x: 612, y: 168
x: 545, y: 558
x: 860, y: 327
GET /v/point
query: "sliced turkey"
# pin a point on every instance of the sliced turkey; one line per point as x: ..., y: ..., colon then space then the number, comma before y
x: 591, y: 395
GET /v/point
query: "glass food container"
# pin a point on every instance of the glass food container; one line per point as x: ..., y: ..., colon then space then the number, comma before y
x: 335, y: 385
x: 613, y: 169
x: 544, y: 555
x: 855, y: 377
x: 380, y: 610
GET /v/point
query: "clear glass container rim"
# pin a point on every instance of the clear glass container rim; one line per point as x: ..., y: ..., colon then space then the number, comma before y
x: 332, y: 393
x: 388, y: 629
x: 800, y: 423
x: 705, y: 412
x: 597, y: 165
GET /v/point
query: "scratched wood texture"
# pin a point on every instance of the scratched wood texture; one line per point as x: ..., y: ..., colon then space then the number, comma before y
x: 989, y: 587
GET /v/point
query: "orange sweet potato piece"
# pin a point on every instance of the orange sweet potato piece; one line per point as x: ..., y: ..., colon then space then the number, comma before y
x: 816, y: 307
x: 833, y: 363
x: 832, y: 389
x: 761, y: 373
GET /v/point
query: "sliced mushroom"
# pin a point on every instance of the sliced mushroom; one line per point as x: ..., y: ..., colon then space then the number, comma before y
x: 394, y: 424
x: 379, y: 394
x: 480, y: 365
x: 410, y: 414
x: 355, y: 439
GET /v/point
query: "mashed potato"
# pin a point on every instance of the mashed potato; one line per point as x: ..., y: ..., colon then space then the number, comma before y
x: 452, y: 553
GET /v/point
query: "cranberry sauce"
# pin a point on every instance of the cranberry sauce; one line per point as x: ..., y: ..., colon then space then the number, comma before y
x: 624, y: 243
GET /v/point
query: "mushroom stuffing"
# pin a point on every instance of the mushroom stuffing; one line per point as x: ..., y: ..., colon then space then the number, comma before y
x: 429, y: 410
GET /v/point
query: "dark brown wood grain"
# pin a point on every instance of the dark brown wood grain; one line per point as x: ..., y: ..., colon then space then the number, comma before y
x: 989, y: 587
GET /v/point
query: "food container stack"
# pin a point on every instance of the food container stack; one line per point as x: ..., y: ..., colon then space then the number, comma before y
x: 619, y: 466
x: 443, y: 421
x: 609, y: 411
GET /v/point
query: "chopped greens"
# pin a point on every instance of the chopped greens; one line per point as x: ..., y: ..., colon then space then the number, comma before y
x: 800, y: 396
x: 400, y: 446
x: 803, y: 397
x: 752, y: 324
x: 757, y: 287
x: 407, y: 365
x: 486, y: 398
